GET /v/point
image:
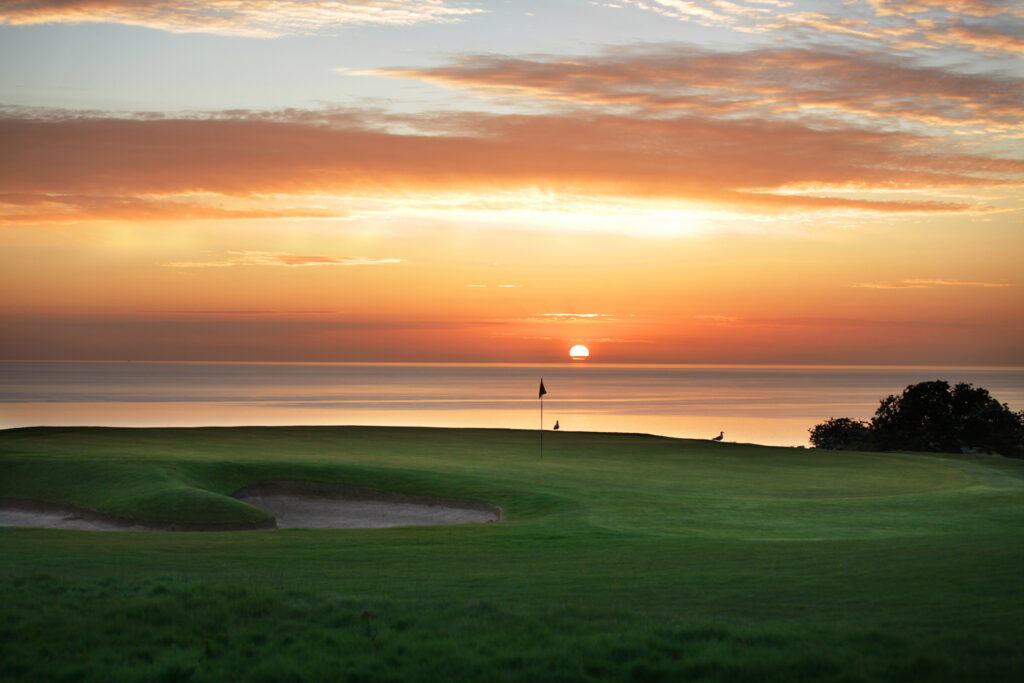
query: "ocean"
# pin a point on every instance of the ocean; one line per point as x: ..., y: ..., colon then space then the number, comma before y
x: 774, y: 405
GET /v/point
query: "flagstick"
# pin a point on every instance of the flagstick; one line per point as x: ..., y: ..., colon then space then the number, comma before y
x: 542, y: 427
x: 540, y: 395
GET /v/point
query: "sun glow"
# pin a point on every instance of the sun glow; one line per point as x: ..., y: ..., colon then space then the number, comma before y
x: 579, y: 352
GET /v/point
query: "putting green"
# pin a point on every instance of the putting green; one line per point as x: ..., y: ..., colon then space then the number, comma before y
x: 628, y: 484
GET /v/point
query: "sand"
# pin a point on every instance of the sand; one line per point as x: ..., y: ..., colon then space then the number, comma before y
x: 303, y: 512
x: 294, y: 505
x: 56, y: 519
x: 308, y: 505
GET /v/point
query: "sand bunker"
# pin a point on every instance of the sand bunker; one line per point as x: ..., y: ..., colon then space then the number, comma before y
x: 48, y: 515
x: 55, y: 519
x: 298, y: 512
x: 306, y: 505
x: 294, y: 505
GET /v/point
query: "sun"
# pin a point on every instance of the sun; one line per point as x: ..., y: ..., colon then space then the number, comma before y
x: 579, y: 352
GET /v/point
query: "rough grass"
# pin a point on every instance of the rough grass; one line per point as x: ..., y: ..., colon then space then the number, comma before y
x: 620, y: 557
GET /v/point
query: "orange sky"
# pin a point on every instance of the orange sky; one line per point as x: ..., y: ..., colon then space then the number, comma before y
x: 694, y: 190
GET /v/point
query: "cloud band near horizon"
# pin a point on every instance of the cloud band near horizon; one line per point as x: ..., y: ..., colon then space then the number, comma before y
x: 269, y: 258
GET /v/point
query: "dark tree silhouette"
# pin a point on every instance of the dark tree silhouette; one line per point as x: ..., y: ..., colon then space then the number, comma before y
x: 842, y: 434
x: 920, y: 419
x: 930, y: 416
x: 986, y: 424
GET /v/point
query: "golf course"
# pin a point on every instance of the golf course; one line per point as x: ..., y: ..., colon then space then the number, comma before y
x: 614, y: 557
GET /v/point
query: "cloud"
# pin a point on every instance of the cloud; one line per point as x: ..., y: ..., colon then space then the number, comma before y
x: 273, y: 258
x: 773, y: 83
x: 287, y: 163
x: 890, y: 285
x: 566, y: 317
x: 830, y: 322
x: 252, y: 18
x: 992, y: 26
x: 929, y: 284
x: 973, y: 8
x: 616, y: 340
x: 214, y: 312
x: 866, y: 323
x: 980, y: 38
x: 279, y: 336
x: 60, y: 208
x: 720, y: 320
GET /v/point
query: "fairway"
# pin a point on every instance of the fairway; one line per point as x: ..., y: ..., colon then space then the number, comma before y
x: 622, y: 557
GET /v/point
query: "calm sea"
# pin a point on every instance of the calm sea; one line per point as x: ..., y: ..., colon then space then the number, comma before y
x: 757, y: 404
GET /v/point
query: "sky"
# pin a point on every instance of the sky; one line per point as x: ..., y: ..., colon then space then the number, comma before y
x: 664, y: 181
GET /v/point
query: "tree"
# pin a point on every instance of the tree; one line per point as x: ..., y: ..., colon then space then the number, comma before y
x: 920, y: 419
x: 930, y: 416
x: 842, y: 434
x: 984, y: 423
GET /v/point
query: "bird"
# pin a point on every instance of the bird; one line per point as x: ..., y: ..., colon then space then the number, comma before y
x: 556, y: 424
x: 721, y: 435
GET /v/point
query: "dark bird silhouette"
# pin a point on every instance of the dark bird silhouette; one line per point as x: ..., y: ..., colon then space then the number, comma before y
x: 721, y: 435
x: 556, y: 424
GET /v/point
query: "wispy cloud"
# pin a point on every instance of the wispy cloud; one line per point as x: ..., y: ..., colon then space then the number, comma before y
x: 720, y: 320
x: 252, y: 18
x: 564, y: 317
x: 890, y: 285
x: 618, y: 340
x: 980, y: 38
x: 972, y: 25
x: 213, y: 312
x: 829, y: 322
x: 272, y: 258
x: 928, y: 284
x: 772, y: 83
x: 70, y: 208
x: 919, y: 9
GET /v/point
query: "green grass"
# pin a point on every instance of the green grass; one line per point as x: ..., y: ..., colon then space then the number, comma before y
x: 620, y: 557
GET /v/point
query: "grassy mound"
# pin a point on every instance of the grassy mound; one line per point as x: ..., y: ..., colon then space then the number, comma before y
x: 149, y: 492
x: 619, y: 557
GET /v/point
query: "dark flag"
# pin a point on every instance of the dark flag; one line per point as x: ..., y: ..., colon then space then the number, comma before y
x: 542, y: 389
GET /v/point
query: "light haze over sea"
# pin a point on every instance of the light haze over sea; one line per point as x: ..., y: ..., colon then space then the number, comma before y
x: 773, y: 405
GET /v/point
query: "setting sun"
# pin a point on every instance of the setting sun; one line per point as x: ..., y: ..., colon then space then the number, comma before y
x: 579, y: 352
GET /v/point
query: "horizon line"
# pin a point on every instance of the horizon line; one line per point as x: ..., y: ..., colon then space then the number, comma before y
x: 567, y: 363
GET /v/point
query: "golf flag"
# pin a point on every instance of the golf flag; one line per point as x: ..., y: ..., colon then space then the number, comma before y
x: 542, y: 389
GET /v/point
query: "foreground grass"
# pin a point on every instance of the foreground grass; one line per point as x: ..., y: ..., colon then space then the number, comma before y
x: 620, y: 557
